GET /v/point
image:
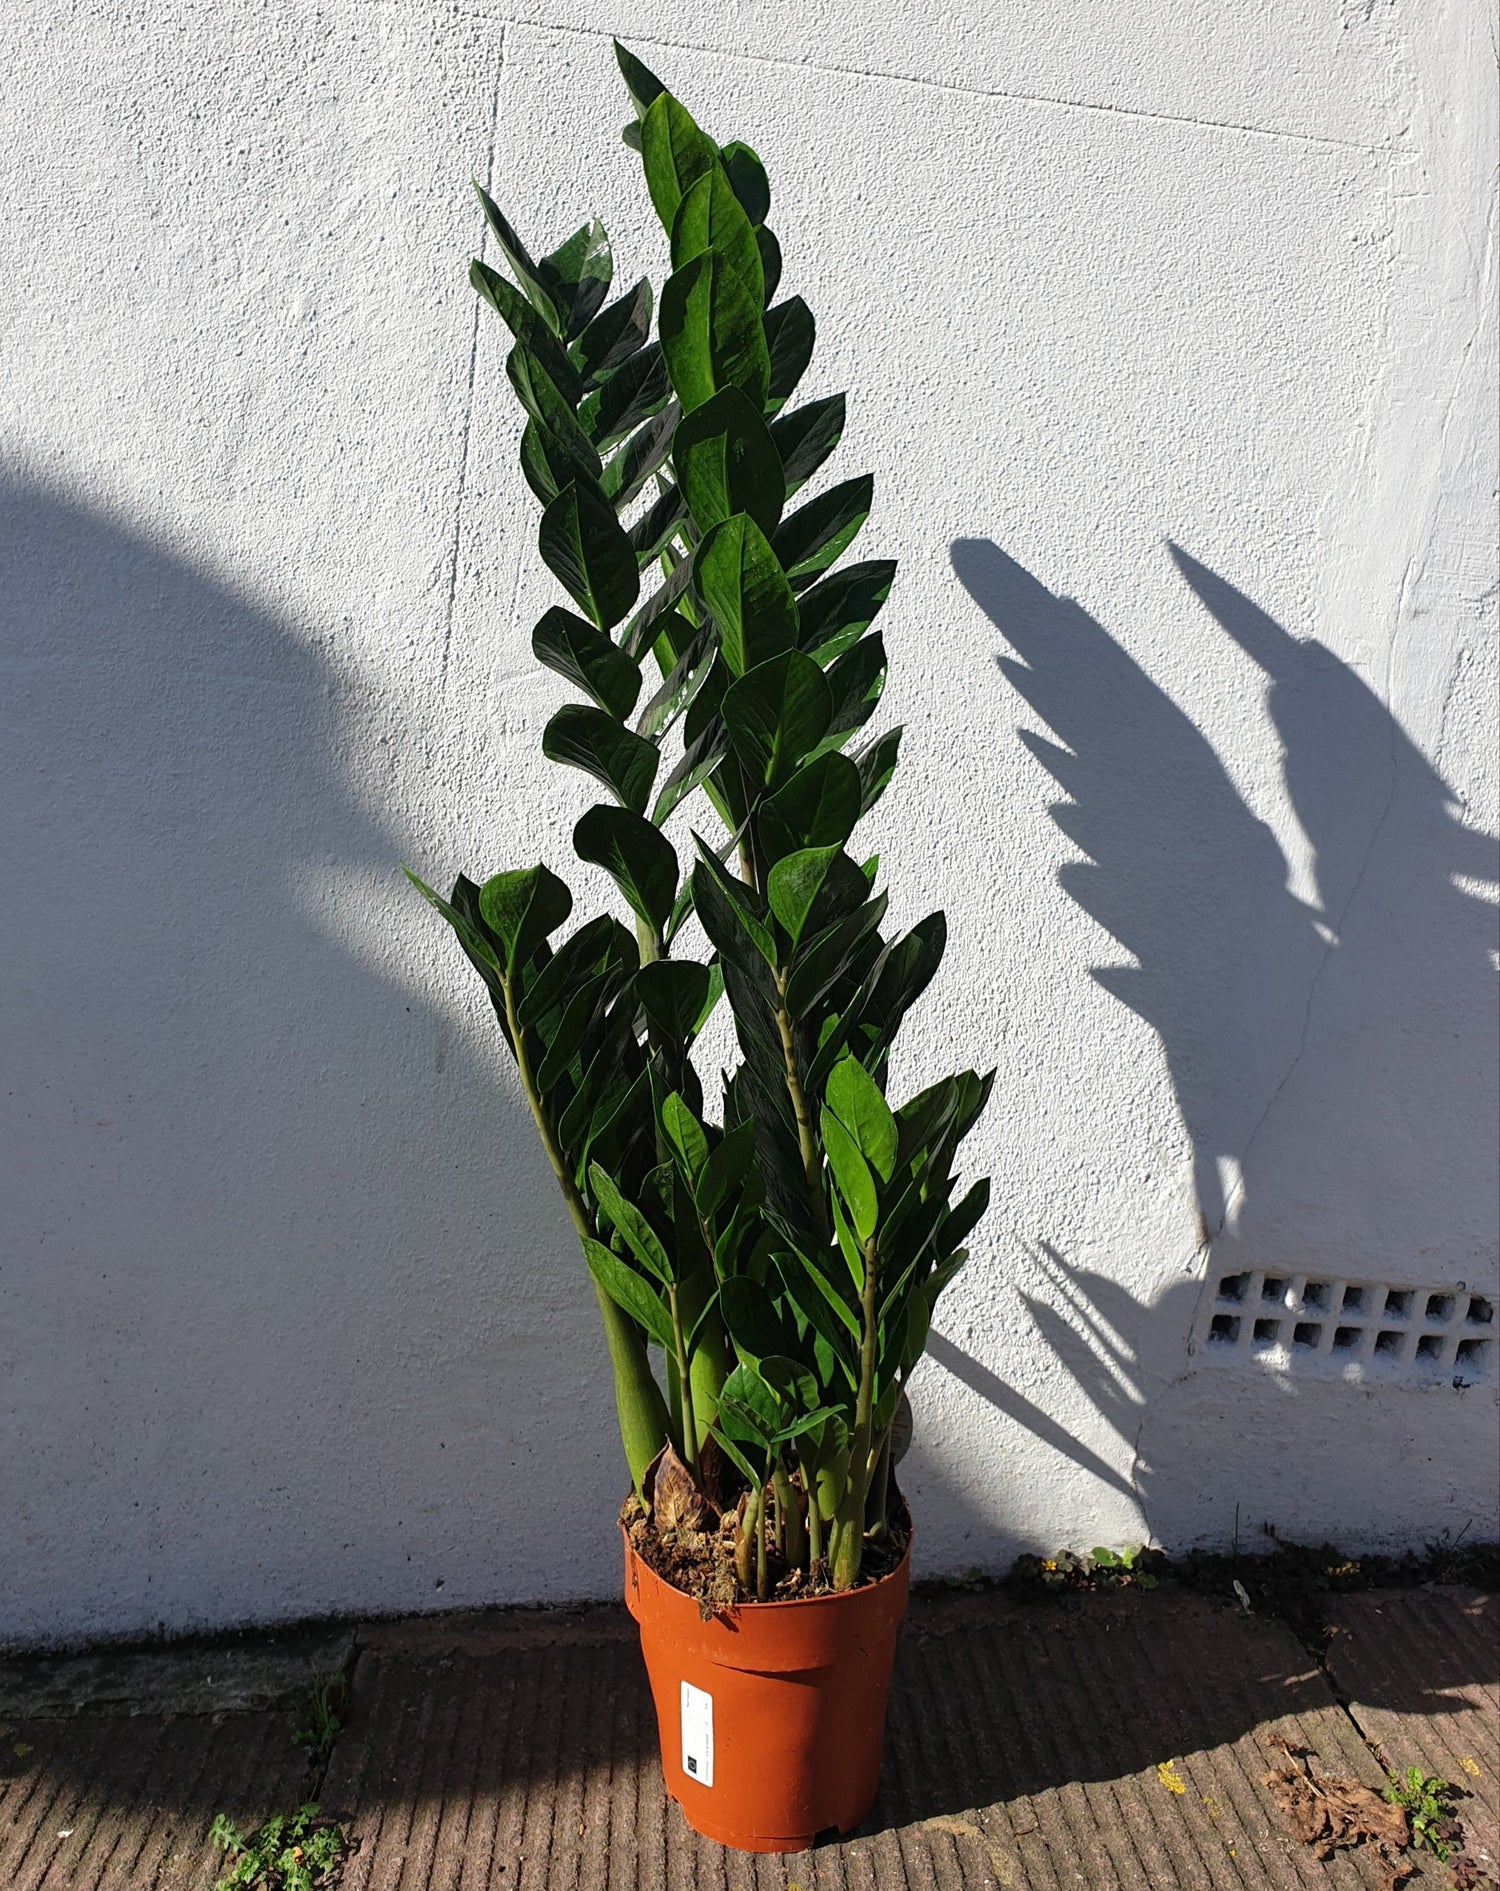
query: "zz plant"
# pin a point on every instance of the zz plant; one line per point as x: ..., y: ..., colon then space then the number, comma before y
x: 784, y: 1258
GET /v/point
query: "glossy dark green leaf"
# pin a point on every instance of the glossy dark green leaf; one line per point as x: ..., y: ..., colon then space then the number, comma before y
x: 963, y: 1217
x: 570, y: 1029
x: 675, y: 152
x: 855, y: 1099
x: 697, y: 762
x: 726, y: 1168
x: 710, y: 217
x: 637, y: 857
x: 592, y: 740
x: 908, y: 970
x: 711, y: 334
x: 806, y: 436
x: 790, y: 333
x: 686, y: 1134
x: 642, y: 84
x: 634, y: 1229
x: 644, y: 453
x: 630, y: 394
x: 585, y: 547
x: 642, y: 631
x: 776, y: 714
x: 839, y: 890
x: 739, y: 579
x: 793, y: 885
x: 815, y: 807
x: 752, y: 1321
x: 672, y: 994
x: 770, y: 258
x: 877, y: 764
x: 851, y: 1173
x: 629, y: 1290
x: 837, y: 611
x: 753, y: 1405
x: 548, y: 406
x: 824, y: 958
x: 728, y: 910
x: 598, y: 942
x: 549, y: 465
x: 817, y: 1299
x: 748, y: 177
x: 809, y: 539
x: 684, y: 681
x: 614, y: 335
x: 855, y: 681
x: 577, y: 275
x: 589, y: 659
x: 483, y: 952
x: 726, y: 462
x: 521, y: 908
x: 527, y: 326
x: 522, y: 267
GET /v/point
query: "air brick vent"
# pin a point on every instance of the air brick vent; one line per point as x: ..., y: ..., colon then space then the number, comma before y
x: 1362, y: 1330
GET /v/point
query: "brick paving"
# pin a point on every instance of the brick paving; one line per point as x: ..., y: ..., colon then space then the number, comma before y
x: 1115, y: 1745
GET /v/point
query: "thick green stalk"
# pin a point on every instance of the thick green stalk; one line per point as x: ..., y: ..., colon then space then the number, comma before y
x: 880, y: 1485
x: 761, y: 1583
x: 807, y: 1138
x: 850, y: 1521
x: 685, y: 1385
x: 639, y: 1405
x: 791, y: 1535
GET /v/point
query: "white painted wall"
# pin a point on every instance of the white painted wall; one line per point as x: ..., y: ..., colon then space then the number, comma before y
x: 290, y: 1320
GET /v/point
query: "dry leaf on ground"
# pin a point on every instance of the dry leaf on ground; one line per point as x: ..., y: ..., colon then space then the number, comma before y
x: 1329, y: 1814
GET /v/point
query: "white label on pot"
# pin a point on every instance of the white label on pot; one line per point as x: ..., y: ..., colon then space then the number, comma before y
x: 697, y: 1734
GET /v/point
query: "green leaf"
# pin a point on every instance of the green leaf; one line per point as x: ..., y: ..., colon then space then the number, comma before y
x: 770, y: 259
x: 794, y: 883
x: 876, y: 765
x: 636, y: 1232
x: 589, y: 659
x: 806, y: 436
x: 727, y: 909
x: 642, y: 84
x: 816, y: 807
x: 628, y: 1290
x: 549, y: 407
x: 638, y: 857
x: 726, y: 1168
x: 658, y: 526
x: 614, y: 335
x: 754, y: 1408
x: 680, y: 687
x: 747, y: 177
x: 821, y: 962
x: 521, y: 909
x: 817, y: 1298
x: 855, y: 681
x: 698, y: 761
x: 592, y: 740
x: 675, y: 152
x: 749, y: 1317
x: 737, y: 1458
x: 726, y: 462
x: 672, y: 994
x: 963, y: 1217
x: 741, y: 581
x: 809, y: 539
x: 570, y: 1030
x: 710, y: 217
x: 684, y: 1131
x: 481, y: 952
x: 522, y: 267
x: 854, y: 1097
x: 776, y: 714
x: 630, y: 394
x: 577, y: 275
x: 599, y: 942
x: 585, y: 547
x: 851, y: 1173
x: 527, y: 326
x: 790, y: 333
x: 837, y: 611
x: 711, y: 334
x: 643, y: 454
x: 551, y: 462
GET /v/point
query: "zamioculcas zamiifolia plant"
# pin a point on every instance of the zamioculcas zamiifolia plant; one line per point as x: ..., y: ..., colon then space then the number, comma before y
x: 780, y: 1240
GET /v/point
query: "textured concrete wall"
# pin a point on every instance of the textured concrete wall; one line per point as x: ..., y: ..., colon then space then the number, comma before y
x: 290, y: 1319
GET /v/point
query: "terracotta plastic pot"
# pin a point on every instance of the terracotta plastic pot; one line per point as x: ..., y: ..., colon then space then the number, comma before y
x: 772, y: 1714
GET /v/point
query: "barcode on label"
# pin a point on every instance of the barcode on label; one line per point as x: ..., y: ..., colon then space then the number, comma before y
x: 697, y: 1734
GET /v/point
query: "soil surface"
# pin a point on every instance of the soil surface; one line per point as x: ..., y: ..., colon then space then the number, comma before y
x: 700, y: 1562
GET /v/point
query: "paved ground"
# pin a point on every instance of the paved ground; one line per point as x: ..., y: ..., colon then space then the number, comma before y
x: 1119, y: 1743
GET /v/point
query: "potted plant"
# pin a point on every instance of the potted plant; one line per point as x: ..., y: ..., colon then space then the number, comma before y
x: 779, y: 1244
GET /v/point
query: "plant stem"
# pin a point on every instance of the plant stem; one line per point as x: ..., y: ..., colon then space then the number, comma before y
x: 790, y: 1534
x: 761, y: 1584
x: 685, y: 1382
x: 851, y: 1512
x: 807, y: 1140
x: 639, y: 1404
x: 880, y: 1484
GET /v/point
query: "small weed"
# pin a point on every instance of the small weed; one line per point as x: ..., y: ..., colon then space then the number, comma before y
x: 295, y: 1851
x: 322, y: 1714
x: 1429, y: 1802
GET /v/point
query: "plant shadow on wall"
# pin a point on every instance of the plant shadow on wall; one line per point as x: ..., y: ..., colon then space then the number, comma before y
x: 239, y: 1298
x: 1332, y: 1057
